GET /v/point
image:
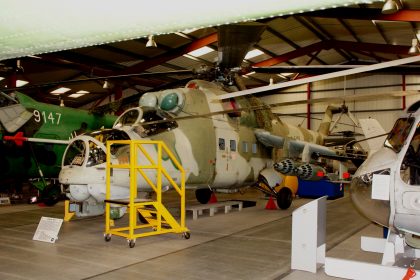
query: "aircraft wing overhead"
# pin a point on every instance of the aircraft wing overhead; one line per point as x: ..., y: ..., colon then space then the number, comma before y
x: 35, y: 27
x: 13, y: 117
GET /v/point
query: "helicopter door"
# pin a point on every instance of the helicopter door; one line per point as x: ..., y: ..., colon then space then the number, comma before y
x: 227, y: 164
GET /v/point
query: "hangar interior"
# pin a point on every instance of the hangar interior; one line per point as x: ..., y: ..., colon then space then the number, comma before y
x: 254, y: 243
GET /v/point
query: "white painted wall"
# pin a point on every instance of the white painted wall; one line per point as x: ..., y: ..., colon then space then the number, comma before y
x: 351, y: 85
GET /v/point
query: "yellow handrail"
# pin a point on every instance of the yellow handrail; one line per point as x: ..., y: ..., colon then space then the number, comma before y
x: 150, y: 159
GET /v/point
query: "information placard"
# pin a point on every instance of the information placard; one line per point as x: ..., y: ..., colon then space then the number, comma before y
x: 47, y: 230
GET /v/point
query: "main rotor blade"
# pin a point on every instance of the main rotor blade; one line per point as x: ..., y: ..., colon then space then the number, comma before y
x: 347, y: 72
x: 235, y: 41
x: 338, y: 100
x: 322, y: 69
x: 75, y: 81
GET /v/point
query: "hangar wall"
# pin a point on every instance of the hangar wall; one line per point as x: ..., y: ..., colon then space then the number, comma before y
x: 386, y: 111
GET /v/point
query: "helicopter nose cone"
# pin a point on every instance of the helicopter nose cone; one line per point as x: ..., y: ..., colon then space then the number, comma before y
x: 375, y: 210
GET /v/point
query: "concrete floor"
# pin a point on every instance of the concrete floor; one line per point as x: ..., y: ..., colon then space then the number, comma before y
x: 252, y: 244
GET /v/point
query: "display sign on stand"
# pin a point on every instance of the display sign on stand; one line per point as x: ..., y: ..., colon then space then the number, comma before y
x: 47, y: 230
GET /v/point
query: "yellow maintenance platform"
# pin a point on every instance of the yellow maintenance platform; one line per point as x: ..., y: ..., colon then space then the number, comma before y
x: 153, y: 215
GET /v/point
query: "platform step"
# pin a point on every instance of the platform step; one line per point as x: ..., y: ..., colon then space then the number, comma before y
x: 212, y: 207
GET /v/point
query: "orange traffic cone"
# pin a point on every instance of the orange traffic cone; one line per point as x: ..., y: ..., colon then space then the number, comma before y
x: 271, y: 205
x: 213, y: 198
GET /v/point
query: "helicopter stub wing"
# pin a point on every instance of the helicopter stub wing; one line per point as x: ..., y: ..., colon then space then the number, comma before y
x: 14, y: 117
x: 294, y: 148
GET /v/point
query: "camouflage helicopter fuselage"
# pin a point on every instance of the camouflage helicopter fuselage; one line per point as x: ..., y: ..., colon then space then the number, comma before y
x: 214, y: 141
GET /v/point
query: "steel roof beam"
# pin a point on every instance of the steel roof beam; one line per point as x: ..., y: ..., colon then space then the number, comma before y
x: 371, y: 47
x: 290, y: 42
x: 316, y: 47
x: 322, y: 34
x: 325, y: 45
x: 174, y: 53
x: 367, y: 14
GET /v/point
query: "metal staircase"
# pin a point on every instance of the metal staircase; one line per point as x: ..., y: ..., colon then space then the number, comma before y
x: 155, y: 218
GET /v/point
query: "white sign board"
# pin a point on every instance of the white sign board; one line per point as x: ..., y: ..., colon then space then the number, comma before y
x: 47, y: 230
x: 380, y: 186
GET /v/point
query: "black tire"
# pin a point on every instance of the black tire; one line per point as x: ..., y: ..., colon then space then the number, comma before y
x: 284, y: 198
x: 51, y: 194
x: 186, y: 235
x: 107, y: 237
x: 203, y: 195
x: 132, y: 243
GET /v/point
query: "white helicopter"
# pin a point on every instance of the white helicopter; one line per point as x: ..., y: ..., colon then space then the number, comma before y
x: 386, y: 187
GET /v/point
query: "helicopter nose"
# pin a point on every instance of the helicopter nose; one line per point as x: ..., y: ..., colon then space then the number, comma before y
x: 361, y: 195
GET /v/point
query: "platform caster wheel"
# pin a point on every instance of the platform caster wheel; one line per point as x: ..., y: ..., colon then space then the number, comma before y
x: 132, y: 243
x: 186, y: 235
x: 107, y: 237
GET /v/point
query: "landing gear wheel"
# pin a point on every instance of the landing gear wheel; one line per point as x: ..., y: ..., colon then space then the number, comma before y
x: 186, y: 235
x: 107, y: 237
x: 132, y: 243
x: 284, y: 198
x: 203, y: 195
x: 51, y: 194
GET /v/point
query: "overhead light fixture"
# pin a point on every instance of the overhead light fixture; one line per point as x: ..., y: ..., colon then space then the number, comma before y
x: 59, y: 91
x: 253, y: 53
x: 414, y: 47
x: 20, y: 83
x: 201, y: 51
x: 78, y: 93
x: 391, y: 7
x: 106, y: 84
x: 1, y: 78
x: 151, y: 42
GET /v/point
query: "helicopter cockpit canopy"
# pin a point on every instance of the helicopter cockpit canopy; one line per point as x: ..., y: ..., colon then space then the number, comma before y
x: 89, y: 149
x: 129, y: 118
x: 399, y: 134
x: 146, y: 121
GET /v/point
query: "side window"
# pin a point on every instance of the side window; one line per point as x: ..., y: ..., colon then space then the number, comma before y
x: 254, y: 148
x: 244, y: 147
x: 221, y: 144
x: 232, y: 145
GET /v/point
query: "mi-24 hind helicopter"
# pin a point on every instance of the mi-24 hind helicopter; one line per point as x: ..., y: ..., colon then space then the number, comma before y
x: 386, y: 187
x: 221, y: 145
x: 39, y: 134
